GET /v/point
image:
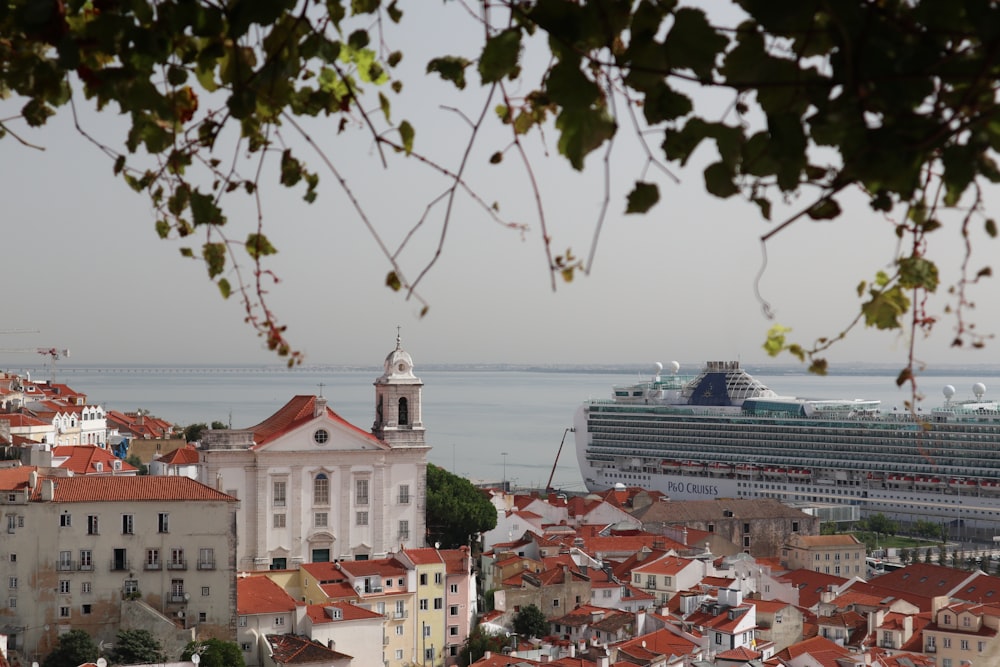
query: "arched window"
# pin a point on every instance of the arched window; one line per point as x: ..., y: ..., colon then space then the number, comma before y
x: 404, y: 412
x: 321, y: 490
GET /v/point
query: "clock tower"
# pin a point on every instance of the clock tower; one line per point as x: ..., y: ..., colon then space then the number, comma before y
x: 398, y: 421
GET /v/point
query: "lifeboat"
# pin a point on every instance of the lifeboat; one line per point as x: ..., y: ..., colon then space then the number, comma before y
x: 669, y: 465
x: 719, y: 468
x: 990, y: 485
x: 693, y: 466
x: 775, y: 472
x: 745, y: 470
x: 960, y: 484
x: 876, y: 476
x: 926, y: 482
x: 903, y: 480
x: 800, y: 473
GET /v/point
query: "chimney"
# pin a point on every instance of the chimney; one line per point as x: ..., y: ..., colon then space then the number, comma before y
x: 48, y: 490
x: 319, y: 406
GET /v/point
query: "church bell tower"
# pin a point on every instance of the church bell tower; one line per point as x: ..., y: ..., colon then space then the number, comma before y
x: 398, y: 421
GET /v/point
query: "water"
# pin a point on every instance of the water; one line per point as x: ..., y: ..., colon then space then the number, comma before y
x: 472, y: 416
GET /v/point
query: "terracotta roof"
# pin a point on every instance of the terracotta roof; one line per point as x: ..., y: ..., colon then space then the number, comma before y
x: 180, y: 456
x: 82, y: 460
x: 13, y: 479
x: 842, y: 540
x: 738, y: 653
x: 129, y: 489
x: 457, y: 561
x: 298, y: 412
x: 348, y: 612
x: 20, y: 420
x: 385, y: 567
x: 292, y: 650
x: 256, y: 594
x: 424, y: 556
x: 810, y: 584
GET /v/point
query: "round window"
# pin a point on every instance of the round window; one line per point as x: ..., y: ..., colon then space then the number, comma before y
x: 321, y: 436
x: 402, y: 367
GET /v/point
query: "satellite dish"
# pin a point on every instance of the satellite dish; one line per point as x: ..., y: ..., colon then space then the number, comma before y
x: 196, y: 658
x: 948, y: 391
x: 979, y: 389
x: 675, y: 366
x: 101, y: 662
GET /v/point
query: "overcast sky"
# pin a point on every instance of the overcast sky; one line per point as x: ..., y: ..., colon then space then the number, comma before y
x: 83, y: 264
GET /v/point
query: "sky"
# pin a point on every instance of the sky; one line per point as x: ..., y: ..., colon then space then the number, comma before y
x: 85, y: 268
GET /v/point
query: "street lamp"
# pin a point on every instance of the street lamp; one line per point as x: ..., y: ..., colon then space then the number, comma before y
x: 504, y: 455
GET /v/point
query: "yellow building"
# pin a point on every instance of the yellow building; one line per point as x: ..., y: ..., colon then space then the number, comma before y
x: 431, y: 575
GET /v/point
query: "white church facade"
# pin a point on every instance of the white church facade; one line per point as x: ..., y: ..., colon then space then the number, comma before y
x: 315, y: 488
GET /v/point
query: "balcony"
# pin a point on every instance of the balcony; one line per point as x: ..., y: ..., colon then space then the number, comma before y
x: 399, y: 615
x: 178, y: 597
x: 206, y: 565
x: 153, y: 566
x: 930, y: 648
x: 65, y: 566
x: 118, y: 566
x: 86, y: 567
x: 177, y: 565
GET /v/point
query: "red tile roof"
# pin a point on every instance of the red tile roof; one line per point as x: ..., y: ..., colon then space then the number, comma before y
x: 297, y: 412
x: 256, y: 594
x: 82, y: 460
x: 292, y: 650
x: 424, y: 556
x: 130, y: 489
x: 13, y: 479
x: 180, y: 456
x: 348, y: 612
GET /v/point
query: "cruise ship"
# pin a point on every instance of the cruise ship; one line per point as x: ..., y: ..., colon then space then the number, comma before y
x: 721, y: 433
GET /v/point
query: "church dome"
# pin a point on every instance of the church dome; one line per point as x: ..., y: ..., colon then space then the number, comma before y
x: 398, y: 365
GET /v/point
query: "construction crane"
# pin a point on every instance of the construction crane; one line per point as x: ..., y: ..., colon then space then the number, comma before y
x: 548, y: 487
x: 53, y: 353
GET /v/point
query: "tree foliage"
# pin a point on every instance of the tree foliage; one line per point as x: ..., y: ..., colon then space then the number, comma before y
x: 72, y: 649
x: 531, y: 622
x: 894, y: 100
x: 456, y: 510
x: 477, y: 644
x: 215, y: 653
x: 136, y: 647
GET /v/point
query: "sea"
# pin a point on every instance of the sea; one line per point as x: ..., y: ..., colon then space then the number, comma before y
x: 488, y: 423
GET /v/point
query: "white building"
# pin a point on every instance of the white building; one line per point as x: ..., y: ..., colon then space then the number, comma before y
x: 315, y: 488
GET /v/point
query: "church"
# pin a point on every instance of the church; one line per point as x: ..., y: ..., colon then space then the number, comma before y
x: 314, y: 488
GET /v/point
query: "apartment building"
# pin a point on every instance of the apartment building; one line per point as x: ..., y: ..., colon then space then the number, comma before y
x: 77, y: 547
x: 839, y: 555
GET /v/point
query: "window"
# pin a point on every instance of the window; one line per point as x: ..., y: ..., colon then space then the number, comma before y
x: 11, y: 582
x: 795, y: 526
x: 321, y: 436
x: 453, y: 630
x: 438, y: 577
x: 65, y: 520
x: 152, y: 559
x: 128, y: 524
x: 399, y: 630
x: 438, y: 603
x: 946, y: 641
x: 12, y: 603
x: 86, y: 559
x: 163, y: 522
x: 202, y: 616
x: 279, y: 564
x: 428, y: 652
x: 243, y: 621
x: 453, y: 610
x: 319, y: 519
x: 11, y: 523
x: 176, y: 590
x: 205, y: 591
x: 63, y: 612
x: 279, y: 621
x: 85, y: 609
x: 404, y: 494
x: 404, y: 530
x: 65, y: 561
x: 206, y: 558
x: 245, y: 647
x: 177, y: 558
x: 965, y: 645
x: 279, y: 520
x: 454, y: 589
x: 399, y: 654
x: 279, y: 494
x: 423, y: 578
x: 64, y: 586
x: 555, y: 603
x: 427, y: 631
x: 13, y: 558
x: 361, y: 518
x: 131, y: 586
x: 323, y: 556
x: 93, y: 525
x: 423, y: 601
x: 321, y: 490
x: 361, y: 491
x: 746, y: 528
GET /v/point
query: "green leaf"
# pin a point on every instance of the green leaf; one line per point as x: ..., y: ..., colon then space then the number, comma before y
x: 824, y: 209
x: 500, y: 55
x: 719, y: 180
x: 693, y: 43
x: 224, y: 288
x: 450, y: 68
x: 406, y: 134
x: 259, y: 246
x: 393, y: 282
x: 214, y: 255
x: 642, y: 198
x: 885, y: 309
x: 162, y: 229
x: 383, y: 102
x: 364, y: 6
x: 395, y: 14
x: 991, y: 227
x: 918, y: 272
x: 582, y: 132
x: 204, y: 210
x: 291, y: 169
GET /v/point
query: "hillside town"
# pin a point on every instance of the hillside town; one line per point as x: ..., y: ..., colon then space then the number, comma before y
x: 301, y: 540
